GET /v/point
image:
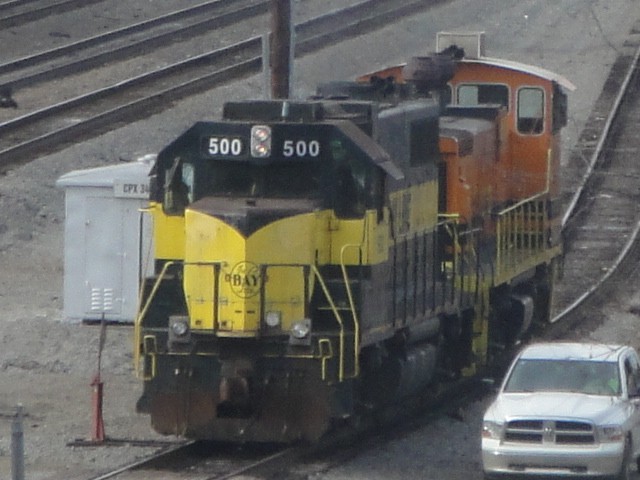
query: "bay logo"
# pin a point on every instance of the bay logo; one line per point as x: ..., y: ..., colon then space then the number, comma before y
x: 245, y: 279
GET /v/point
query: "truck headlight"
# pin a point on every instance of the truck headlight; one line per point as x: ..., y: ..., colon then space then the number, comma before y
x: 491, y: 429
x: 611, y: 433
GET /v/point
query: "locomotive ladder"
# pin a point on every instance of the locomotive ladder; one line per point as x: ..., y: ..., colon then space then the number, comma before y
x: 339, y: 318
x: 149, y: 348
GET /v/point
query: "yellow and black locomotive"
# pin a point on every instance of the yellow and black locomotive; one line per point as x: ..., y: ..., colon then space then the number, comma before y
x: 316, y: 259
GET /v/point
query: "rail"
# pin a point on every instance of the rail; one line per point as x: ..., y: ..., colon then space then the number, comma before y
x: 597, y: 153
x: 631, y: 237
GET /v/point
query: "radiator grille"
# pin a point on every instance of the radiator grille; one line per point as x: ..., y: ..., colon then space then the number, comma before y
x: 562, y: 432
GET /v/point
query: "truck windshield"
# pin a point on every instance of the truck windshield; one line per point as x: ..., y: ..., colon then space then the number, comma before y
x: 581, y: 376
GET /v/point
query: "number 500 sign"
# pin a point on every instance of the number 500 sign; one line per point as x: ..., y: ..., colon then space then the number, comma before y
x: 231, y: 146
x: 301, y: 148
x: 225, y: 146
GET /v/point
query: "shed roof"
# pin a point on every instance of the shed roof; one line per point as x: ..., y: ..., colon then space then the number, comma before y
x: 107, y: 176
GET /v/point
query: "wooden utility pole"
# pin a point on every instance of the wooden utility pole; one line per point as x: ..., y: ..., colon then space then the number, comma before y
x: 281, y: 45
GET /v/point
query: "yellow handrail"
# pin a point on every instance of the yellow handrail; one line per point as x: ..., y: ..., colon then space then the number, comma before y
x: 324, y: 356
x: 510, y: 224
x: 143, y: 312
x: 352, y: 306
x: 338, y: 318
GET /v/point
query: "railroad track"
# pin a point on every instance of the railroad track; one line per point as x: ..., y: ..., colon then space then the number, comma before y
x: 206, y: 461
x: 52, y: 127
x: 18, y: 12
x: 215, y: 461
x: 126, y: 42
x: 602, y: 220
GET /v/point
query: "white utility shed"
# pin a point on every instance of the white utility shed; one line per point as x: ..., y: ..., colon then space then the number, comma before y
x: 108, y: 243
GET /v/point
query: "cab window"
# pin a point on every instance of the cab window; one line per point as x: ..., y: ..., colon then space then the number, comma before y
x: 357, y: 184
x: 530, y: 111
x: 350, y: 180
x: 178, y: 186
x: 482, y: 94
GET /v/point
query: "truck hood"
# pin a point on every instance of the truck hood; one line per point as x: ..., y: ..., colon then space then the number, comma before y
x: 552, y: 405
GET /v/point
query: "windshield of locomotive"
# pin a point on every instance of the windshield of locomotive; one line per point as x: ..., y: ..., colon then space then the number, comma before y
x: 246, y: 179
x: 188, y: 180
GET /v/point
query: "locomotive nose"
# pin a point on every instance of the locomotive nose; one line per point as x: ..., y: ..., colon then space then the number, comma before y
x: 248, y: 263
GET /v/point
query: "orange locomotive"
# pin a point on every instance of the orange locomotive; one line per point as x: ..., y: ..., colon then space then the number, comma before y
x: 318, y: 259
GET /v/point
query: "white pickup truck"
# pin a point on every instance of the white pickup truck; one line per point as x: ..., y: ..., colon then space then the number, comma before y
x: 565, y: 409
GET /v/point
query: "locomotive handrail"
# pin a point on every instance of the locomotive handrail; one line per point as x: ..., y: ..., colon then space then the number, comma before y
x: 356, y: 322
x: 156, y: 285
x: 536, y: 195
x: 324, y: 356
x: 520, y: 229
x: 512, y: 220
x: 464, y: 254
x: 150, y: 348
x: 144, y: 310
x: 335, y: 311
x: 446, y: 221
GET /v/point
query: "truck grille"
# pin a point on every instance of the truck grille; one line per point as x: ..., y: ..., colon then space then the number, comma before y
x: 560, y: 432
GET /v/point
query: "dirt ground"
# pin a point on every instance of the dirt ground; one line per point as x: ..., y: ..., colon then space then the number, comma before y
x: 47, y: 364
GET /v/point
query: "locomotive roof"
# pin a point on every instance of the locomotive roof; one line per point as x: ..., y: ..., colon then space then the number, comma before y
x: 492, y: 62
x: 524, y: 68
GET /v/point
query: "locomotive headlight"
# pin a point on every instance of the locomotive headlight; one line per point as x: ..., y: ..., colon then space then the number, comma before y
x: 260, y: 141
x: 180, y: 328
x: 261, y: 133
x: 179, y: 331
x: 301, y: 329
x: 272, y: 319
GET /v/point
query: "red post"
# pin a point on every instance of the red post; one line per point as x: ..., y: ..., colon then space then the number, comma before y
x: 97, y: 434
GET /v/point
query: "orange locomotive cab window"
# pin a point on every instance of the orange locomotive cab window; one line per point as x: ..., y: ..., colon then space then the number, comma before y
x: 483, y: 94
x: 530, y: 111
